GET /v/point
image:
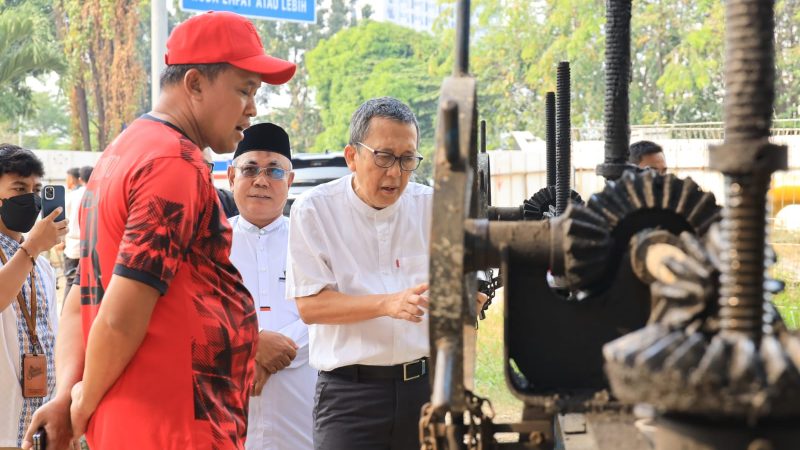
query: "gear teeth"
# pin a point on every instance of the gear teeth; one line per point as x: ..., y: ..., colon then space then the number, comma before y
x: 610, y: 205
x: 705, y: 207
x: 625, y: 349
x: 653, y: 357
x: 648, y: 190
x: 672, y: 192
x: 536, y: 207
x: 779, y: 370
x: 705, y: 227
x: 687, y: 355
x: 711, y: 370
x: 629, y: 185
x: 651, y: 188
x: 696, y: 249
x: 690, y: 195
x: 792, y: 345
x: 745, y: 365
x: 587, y: 244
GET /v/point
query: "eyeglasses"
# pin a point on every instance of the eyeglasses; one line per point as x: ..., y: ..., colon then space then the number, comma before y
x: 386, y: 160
x: 210, y: 166
x: 253, y: 171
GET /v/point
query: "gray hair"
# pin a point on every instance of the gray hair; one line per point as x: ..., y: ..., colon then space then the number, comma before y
x: 174, y: 74
x: 387, y: 107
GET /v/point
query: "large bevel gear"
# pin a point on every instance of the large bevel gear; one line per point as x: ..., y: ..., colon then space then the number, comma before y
x: 587, y: 244
x: 635, y: 202
x: 680, y: 201
x: 542, y: 205
x: 681, y: 363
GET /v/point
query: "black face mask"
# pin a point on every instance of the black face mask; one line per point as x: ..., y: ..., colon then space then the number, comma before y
x: 19, y: 212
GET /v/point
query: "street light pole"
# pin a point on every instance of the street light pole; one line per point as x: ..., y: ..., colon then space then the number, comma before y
x: 158, y: 44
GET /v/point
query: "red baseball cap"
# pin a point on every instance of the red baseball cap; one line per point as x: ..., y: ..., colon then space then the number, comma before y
x: 225, y: 37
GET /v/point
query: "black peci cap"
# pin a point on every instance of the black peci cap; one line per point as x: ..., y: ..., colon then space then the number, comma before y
x: 264, y: 137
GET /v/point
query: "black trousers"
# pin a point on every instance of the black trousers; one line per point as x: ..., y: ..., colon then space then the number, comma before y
x: 368, y: 414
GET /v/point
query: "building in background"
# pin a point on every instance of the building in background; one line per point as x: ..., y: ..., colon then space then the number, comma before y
x: 417, y: 14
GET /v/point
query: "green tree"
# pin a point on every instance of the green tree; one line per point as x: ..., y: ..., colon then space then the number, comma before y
x: 26, y: 49
x: 518, y: 47
x: 688, y: 85
x: 292, y: 41
x: 787, y: 58
x: 372, y: 60
x: 676, y: 59
x: 106, y: 78
x: 48, y: 125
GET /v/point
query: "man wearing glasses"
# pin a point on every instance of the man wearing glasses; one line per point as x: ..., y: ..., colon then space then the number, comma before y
x: 280, y: 410
x: 358, y: 269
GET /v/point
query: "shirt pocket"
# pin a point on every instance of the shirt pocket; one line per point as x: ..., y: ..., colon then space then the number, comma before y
x: 413, y: 269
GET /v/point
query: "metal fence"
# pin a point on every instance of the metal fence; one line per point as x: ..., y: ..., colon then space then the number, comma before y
x: 696, y: 130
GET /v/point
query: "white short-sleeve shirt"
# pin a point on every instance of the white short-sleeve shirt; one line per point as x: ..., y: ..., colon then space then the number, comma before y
x: 337, y: 241
x: 281, y: 418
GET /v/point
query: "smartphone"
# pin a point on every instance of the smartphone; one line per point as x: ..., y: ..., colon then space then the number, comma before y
x: 52, y: 198
x: 40, y: 440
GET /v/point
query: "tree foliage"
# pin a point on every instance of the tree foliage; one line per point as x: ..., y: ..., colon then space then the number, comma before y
x: 677, y: 58
x: 787, y: 48
x: 105, y: 73
x: 372, y: 60
x: 292, y: 41
x: 26, y: 49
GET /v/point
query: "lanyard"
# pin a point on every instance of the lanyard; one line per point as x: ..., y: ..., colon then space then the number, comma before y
x: 30, y: 316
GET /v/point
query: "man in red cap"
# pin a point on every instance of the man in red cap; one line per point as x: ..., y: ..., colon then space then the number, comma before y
x: 169, y: 329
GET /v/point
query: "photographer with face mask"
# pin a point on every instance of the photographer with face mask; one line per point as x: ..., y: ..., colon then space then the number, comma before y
x: 28, y: 310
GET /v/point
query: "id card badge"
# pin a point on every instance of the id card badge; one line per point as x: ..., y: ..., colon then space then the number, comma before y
x: 34, y: 376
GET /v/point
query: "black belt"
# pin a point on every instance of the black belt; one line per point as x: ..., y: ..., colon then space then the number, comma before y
x: 401, y: 372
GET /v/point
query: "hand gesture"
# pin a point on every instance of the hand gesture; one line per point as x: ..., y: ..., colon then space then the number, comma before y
x: 46, y: 233
x: 408, y: 304
x: 262, y: 376
x: 274, y: 351
x: 53, y: 416
x: 481, y: 299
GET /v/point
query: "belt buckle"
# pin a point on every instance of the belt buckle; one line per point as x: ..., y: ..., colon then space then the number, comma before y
x: 421, y: 370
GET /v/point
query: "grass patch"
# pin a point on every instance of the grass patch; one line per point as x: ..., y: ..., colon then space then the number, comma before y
x: 787, y: 269
x: 490, y: 379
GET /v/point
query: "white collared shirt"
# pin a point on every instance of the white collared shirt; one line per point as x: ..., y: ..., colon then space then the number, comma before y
x: 337, y: 241
x: 281, y: 418
x: 16, y: 411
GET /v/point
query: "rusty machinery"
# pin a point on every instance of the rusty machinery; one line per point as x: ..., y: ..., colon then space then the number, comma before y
x: 662, y: 293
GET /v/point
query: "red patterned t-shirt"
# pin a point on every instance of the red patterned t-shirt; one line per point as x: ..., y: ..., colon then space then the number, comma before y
x: 151, y: 214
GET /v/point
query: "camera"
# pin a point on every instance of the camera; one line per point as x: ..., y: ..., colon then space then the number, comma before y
x: 49, y: 193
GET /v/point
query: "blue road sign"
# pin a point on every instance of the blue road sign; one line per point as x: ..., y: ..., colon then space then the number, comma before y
x: 282, y: 10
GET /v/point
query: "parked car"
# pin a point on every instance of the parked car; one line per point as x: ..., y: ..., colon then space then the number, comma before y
x: 312, y: 169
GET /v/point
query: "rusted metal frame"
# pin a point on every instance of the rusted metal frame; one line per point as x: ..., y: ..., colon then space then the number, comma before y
x: 483, y: 186
x: 524, y: 240
x: 504, y: 213
x: 672, y: 434
x: 451, y: 204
